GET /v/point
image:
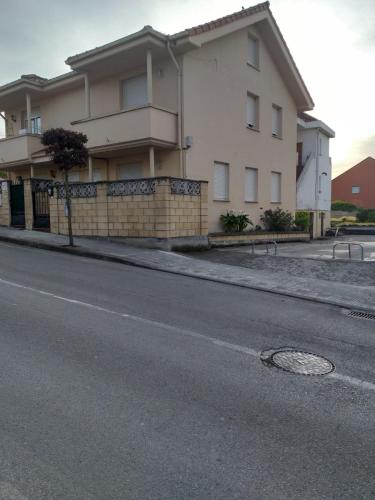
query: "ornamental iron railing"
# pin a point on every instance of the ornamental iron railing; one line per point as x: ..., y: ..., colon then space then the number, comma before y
x: 186, y: 187
x: 79, y: 190
x: 131, y: 187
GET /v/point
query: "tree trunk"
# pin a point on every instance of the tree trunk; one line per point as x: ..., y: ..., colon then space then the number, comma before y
x: 68, y: 208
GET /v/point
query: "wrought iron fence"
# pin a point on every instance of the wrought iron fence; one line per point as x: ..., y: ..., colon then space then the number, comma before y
x: 131, y: 187
x: 186, y: 187
x: 81, y: 190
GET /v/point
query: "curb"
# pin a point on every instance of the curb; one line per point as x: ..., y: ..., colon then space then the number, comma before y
x: 143, y: 265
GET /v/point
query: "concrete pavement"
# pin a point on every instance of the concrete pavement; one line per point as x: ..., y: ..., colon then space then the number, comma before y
x: 117, y: 382
x: 318, y: 290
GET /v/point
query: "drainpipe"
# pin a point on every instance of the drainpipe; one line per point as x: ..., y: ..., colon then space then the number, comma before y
x: 179, y: 106
x: 317, y: 176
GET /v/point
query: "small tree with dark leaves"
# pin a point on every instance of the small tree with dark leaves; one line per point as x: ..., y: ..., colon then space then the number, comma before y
x: 68, y: 150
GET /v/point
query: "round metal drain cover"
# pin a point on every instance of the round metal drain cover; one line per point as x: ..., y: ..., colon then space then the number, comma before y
x: 302, y: 363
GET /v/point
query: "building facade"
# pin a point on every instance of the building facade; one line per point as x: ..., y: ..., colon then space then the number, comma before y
x: 356, y: 185
x: 216, y: 102
x: 314, y: 171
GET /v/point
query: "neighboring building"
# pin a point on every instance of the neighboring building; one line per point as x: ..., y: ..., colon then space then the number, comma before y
x: 314, y: 171
x: 356, y: 185
x: 217, y: 102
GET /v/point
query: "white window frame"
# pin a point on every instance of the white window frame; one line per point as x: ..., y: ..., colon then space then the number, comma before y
x: 252, y: 123
x: 254, y: 63
x: 225, y: 196
x: 141, y: 103
x: 356, y: 189
x: 255, y: 172
x: 277, y: 121
x: 279, y: 197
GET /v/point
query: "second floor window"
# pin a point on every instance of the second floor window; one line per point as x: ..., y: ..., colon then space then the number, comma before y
x: 356, y: 189
x: 252, y: 111
x: 134, y: 92
x: 253, y: 51
x: 36, y: 122
x: 276, y: 121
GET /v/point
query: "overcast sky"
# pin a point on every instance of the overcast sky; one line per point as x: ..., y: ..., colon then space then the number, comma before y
x: 332, y: 42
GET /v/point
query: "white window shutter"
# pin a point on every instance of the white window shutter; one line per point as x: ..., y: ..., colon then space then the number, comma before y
x: 221, y: 181
x: 130, y: 171
x: 251, y: 111
x: 276, y: 121
x: 251, y: 184
x: 135, y: 92
x: 275, y: 187
x: 252, y: 51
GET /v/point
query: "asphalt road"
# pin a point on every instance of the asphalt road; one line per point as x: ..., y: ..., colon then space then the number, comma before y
x: 123, y: 383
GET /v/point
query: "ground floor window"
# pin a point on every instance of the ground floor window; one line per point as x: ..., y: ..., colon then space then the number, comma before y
x: 130, y: 171
x: 221, y: 181
x: 275, y: 187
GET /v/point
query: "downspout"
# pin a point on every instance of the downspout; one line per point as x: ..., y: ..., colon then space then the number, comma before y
x: 179, y: 106
x: 317, y: 177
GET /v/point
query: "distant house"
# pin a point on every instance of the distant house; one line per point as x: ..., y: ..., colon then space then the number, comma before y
x: 314, y: 171
x: 357, y: 185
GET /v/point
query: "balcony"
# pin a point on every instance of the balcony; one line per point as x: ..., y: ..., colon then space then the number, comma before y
x: 17, y: 150
x: 137, y: 127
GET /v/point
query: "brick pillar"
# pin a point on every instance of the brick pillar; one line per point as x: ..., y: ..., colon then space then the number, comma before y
x: 204, y: 208
x: 102, y: 209
x: 29, y: 209
x: 5, y: 213
x: 53, y: 213
x: 163, y: 204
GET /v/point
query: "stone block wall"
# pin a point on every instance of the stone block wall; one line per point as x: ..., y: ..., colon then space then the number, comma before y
x: 161, y: 207
x: 5, y: 215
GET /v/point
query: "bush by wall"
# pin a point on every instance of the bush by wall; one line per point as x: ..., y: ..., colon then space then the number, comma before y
x: 302, y: 220
x: 343, y: 206
x: 235, y: 222
x: 277, y: 220
x: 366, y: 215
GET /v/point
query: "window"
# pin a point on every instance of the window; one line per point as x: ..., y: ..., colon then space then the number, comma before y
x: 276, y: 121
x: 275, y: 187
x: 252, y: 113
x: 73, y: 176
x: 130, y: 171
x: 356, y: 189
x: 221, y: 181
x: 36, y: 122
x: 320, y: 146
x: 134, y: 92
x: 253, y: 51
x: 251, y: 184
x: 96, y: 175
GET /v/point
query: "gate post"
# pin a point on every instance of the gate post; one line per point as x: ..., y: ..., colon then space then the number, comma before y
x: 5, y: 213
x: 29, y: 209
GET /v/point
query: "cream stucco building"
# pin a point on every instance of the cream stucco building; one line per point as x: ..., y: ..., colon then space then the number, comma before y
x: 217, y: 102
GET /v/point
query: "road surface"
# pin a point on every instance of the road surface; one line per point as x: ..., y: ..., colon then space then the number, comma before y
x: 123, y: 383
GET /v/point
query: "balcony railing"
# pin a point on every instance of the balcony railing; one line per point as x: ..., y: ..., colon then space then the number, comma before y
x: 140, y: 125
x: 18, y: 149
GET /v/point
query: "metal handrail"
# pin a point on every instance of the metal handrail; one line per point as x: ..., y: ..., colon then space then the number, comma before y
x: 267, y: 249
x: 350, y: 244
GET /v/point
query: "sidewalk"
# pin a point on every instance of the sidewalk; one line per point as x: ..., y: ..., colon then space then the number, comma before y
x: 334, y: 293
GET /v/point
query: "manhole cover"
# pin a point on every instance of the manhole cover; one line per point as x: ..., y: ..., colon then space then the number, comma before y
x: 302, y: 363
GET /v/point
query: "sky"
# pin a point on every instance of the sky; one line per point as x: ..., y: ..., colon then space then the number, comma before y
x: 332, y: 42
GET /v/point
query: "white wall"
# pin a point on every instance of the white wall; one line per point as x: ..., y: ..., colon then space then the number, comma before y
x: 314, y: 183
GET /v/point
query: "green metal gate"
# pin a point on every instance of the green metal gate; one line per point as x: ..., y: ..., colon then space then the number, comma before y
x: 40, y: 189
x: 17, y: 204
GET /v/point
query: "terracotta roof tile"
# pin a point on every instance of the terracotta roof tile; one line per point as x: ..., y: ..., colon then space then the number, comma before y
x: 222, y: 21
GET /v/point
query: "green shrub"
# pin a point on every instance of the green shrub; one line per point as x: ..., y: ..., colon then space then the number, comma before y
x: 302, y: 221
x: 343, y: 206
x: 277, y: 220
x: 366, y: 215
x: 235, y: 222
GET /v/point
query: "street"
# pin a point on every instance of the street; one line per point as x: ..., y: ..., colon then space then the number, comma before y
x: 123, y: 383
